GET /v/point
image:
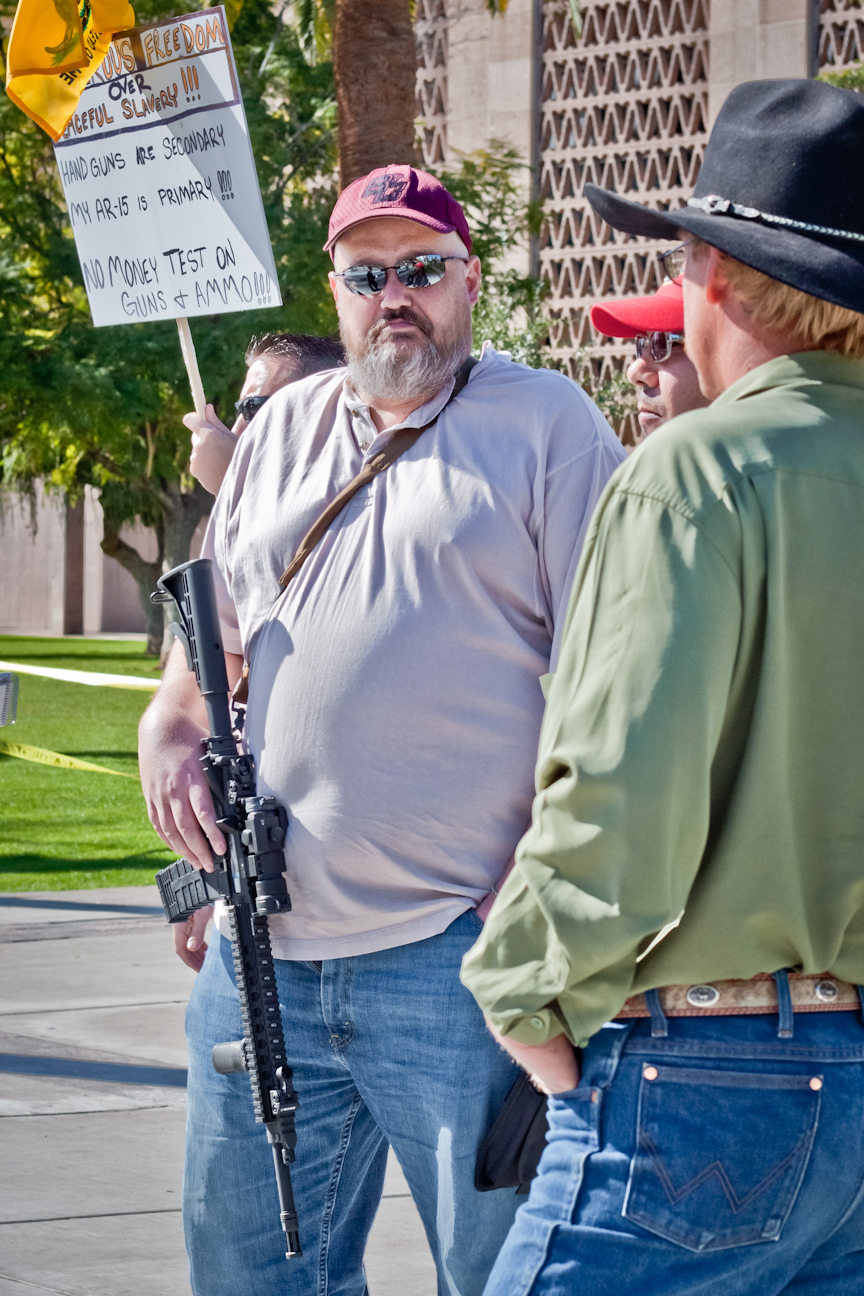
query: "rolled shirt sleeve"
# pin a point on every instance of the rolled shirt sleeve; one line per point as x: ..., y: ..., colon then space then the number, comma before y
x: 621, y: 817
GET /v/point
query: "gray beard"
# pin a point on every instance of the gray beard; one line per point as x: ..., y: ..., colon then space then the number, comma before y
x: 384, y: 370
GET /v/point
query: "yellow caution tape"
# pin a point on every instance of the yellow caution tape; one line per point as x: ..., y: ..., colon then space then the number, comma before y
x: 94, y: 678
x: 43, y: 757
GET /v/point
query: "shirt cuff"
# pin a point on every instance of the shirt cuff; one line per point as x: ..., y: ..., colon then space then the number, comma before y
x: 534, y: 1028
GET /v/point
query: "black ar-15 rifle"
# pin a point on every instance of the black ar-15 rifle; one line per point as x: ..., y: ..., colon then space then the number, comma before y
x: 249, y: 878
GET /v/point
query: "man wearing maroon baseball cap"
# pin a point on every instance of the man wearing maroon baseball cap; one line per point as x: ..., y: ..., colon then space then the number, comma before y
x: 398, y: 191
x: 662, y: 372
x: 395, y: 648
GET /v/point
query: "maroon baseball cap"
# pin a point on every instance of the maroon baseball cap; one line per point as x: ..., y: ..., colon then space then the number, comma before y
x: 398, y: 191
x: 662, y: 312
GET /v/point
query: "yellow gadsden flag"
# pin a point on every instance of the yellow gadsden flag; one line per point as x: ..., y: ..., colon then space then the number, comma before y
x: 54, y: 49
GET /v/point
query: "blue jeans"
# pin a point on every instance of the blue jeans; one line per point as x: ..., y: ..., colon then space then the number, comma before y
x: 386, y: 1048
x: 719, y: 1161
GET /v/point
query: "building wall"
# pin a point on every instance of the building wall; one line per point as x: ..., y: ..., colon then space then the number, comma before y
x: 94, y: 563
x: 625, y: 107
x: 121, y: 604
x: 54, y: 577
x: 754, y: 40
x: 839, y: 34
x: 629, y: 106
x: 476, y: 77
x: 431, y: 28
x: 73, y: 585
x: 33, y: 569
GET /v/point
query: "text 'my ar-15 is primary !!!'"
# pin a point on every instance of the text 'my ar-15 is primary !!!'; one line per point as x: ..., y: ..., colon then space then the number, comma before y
x: 249, y: 879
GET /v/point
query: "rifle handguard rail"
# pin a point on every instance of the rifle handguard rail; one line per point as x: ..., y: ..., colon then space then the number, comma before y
x: 249, y: 878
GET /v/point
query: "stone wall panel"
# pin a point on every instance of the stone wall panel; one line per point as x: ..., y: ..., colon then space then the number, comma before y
x: 625, y: 107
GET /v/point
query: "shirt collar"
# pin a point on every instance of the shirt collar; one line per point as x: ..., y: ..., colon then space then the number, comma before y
x: 361, y: 417
x: 423, y: 414
x: 803, y: 369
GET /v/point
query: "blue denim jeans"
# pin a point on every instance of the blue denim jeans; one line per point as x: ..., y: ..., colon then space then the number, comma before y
x: 386, y: 1048
x: 718, y: 1161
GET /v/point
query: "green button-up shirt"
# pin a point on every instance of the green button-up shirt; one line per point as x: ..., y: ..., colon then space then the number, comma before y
x: 702, y: 754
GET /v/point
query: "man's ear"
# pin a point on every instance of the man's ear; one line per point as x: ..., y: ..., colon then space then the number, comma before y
x: 473, y: 278
x: 331, y: 279
x: 716, y: 284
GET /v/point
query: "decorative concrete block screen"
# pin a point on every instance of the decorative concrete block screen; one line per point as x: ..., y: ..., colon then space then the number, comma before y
x: 430, y: 25
x: 625, y: 107
x: 841, y: 34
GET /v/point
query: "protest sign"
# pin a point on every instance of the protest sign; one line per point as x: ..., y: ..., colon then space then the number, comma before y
x: 160, y: 181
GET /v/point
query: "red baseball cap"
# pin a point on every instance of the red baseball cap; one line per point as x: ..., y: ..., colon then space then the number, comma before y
x: 398, y: 191
x: 662, y: 312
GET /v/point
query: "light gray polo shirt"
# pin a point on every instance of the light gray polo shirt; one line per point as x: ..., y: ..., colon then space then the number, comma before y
x: 395, y: 700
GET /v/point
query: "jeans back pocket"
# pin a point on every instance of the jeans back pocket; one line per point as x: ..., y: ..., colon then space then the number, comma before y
x: 720, y: 1155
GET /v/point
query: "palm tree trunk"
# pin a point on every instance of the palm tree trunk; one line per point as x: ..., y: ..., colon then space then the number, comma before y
x: 375, y: 67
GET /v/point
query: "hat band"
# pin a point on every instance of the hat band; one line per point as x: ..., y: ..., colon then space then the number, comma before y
x: 716, y: 206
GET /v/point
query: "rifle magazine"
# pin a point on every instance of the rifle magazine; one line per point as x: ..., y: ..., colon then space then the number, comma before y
x: 184, y: 889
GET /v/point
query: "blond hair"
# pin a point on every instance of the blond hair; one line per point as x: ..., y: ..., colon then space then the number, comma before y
x: 816, y: 325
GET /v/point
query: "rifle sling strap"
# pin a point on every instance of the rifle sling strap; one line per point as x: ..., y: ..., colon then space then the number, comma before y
x: 379, y: 463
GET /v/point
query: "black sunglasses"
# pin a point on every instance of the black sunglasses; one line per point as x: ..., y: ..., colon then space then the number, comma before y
x: 658, y: 345
x: 414, y: 272
x: 250, y: 405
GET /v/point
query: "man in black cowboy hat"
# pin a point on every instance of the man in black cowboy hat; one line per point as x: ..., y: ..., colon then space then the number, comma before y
x: 679, y: 951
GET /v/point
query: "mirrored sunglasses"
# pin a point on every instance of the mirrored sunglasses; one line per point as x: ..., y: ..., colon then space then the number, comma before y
x: 414, y: 272
x: 249, y: 406
x: 658, y: 346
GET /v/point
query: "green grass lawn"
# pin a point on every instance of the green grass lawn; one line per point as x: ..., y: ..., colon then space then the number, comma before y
x: 62, y: 830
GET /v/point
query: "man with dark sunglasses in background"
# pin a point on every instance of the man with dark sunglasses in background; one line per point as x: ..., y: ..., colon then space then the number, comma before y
x: 273, y: 361
x: 662, y: 372
x: 394, y: 705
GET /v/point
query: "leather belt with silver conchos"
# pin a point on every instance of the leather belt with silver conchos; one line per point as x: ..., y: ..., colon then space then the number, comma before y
x: 816, y: 993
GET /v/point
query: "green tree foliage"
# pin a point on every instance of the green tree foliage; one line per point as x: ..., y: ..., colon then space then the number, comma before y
x: 491, y: 185
x: 102, y: 407
x: 850, y: 79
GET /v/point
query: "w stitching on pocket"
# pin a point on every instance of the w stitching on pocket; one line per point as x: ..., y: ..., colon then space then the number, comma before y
x: 745, y: 1193
x: 717, y: 1168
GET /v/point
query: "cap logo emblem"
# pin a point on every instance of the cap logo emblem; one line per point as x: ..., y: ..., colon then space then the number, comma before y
x: 385, y: 189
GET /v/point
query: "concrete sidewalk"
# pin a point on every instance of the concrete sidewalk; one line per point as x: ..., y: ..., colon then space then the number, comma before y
x: 92, y: 1107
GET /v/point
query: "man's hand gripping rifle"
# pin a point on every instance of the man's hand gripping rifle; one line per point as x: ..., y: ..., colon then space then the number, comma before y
x: 249, y: 879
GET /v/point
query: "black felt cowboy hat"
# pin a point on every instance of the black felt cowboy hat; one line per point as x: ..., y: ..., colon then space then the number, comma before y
x: 781, y: 189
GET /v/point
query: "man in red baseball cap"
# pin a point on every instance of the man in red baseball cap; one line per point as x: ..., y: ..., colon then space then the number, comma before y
x: 662, y: 372
x: 394, y: 707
